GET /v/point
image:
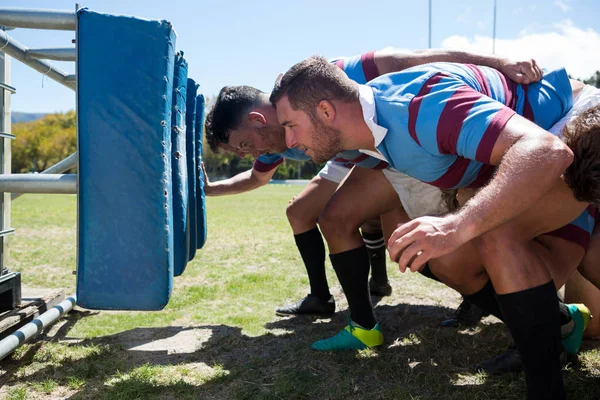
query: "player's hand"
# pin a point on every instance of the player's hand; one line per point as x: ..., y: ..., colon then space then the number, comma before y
x: 414, y: 243
x: 292, y: 200
x: 522, y: 71
x: 207, y: 185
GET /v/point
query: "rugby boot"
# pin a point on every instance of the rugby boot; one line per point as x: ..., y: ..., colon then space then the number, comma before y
x: 310, y: 305
x: 509, y: 361
x: 467, y: 314
x: 581, y: 316
x: 379, y: 289
x: 351, y: 338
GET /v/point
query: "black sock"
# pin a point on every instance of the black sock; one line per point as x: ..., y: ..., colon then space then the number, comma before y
x: 427, y: 272
x: 376, y: 248
x: 533, y: 319
x: 486, y: 299
x: 352, y: 269
x: 312, y: 249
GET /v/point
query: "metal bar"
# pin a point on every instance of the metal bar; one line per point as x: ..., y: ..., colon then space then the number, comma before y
x: 7, y: 135
x: 58, y: 54
x: 38, y: 19
x: 39, y: 183
x: 7, y: 232
x: 7, y: 87
x: 57, y: 168
x: 494, y: 32
x: 15, y: 49
x: 35, y: 327
x: 5, y: 157
x: 429, y: 23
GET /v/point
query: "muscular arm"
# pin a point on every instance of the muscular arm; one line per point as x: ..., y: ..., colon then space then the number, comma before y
x: 530, y: 162
x: 240, y: 183
x: 393, y: 61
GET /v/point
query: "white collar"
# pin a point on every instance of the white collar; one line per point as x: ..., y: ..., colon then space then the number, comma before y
x: 367, y: 102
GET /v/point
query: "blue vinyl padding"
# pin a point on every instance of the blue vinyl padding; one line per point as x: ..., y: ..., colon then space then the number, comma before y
x: 200, y: 197
x: 181, y: 234
x: 190, y: 124
x: 125, y: 217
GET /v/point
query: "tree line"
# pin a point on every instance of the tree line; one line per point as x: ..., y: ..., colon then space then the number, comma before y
x: 42, y: 143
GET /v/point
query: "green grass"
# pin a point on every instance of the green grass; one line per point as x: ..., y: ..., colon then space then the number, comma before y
x: 218, y: 337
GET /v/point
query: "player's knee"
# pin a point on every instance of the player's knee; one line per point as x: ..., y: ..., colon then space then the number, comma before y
x: 460, y: 279
x: 298, y: 214
x: 336, y: 222
x: 495, y: 243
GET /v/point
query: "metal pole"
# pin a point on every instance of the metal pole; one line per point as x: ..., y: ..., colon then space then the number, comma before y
x: 15, y: 49
x: 494, y: 34
x: 429, y: 23
x: 5, y: 157
x: 58, y: 168
x: 58, y: 54
x: 39, y: 183
x: 35, y: 327
x: 38, y: 19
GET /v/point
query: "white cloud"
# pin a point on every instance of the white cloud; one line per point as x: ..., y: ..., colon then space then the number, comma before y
x: 567, y: 45
x: 517, y: 11
x: 562, y: 5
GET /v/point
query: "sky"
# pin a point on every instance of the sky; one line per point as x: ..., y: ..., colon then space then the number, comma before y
x: 239, y: 42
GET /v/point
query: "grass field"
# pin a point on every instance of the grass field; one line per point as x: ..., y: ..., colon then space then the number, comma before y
x: 219, y: 338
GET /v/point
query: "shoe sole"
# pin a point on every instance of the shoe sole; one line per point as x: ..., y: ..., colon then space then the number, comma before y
x: 281, y: 314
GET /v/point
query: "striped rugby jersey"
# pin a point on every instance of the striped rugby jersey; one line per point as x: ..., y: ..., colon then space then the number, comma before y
x: 360, y: 69
x: 443, y: 119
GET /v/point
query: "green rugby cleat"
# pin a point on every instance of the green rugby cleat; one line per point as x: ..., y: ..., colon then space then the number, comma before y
x: 581, y: 316
x: 351, y: 338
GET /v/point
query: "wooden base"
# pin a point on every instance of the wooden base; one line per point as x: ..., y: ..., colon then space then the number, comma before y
x: 34, y: 302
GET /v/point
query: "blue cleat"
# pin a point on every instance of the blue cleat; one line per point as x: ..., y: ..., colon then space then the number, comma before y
x: 581, y: 316
x: 351, y: 338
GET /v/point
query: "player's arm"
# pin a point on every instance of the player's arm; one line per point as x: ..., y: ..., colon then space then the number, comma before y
x: 240, y: 183
x: 530, y: 162
x: 394, y: 60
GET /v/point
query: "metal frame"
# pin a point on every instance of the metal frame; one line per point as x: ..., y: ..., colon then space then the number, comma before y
x: 38, y: 19
x: 50, y: 180
x: 19, y: 184
x: 5, y: 155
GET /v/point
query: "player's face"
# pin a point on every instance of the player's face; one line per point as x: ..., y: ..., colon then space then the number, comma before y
x: 313, y: 137
x: 248, y: 139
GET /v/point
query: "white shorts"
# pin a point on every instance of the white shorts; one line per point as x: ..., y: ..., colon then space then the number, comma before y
x: 334, y: 172
x: 587, y: 98
x: 418, y: 198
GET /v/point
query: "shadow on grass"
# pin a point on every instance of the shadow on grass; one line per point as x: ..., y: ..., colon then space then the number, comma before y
x: 419, y: 360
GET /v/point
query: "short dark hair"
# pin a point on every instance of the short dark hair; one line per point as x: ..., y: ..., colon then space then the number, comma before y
x: 310, y: 81
x: 582, y: 136
x: 232, y: 103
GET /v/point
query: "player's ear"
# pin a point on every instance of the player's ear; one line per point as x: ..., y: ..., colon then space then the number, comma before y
x: 326, y: 111
x: 255, y: 116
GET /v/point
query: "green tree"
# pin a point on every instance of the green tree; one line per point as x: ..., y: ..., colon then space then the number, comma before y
x: 42, y: 143
x: 594, y: 80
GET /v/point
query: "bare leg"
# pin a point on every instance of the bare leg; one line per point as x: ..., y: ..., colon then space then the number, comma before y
x: 303, y: 211
x: 302, y: 214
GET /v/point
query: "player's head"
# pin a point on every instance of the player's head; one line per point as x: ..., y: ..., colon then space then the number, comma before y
x: 243, y: 121
x: 305, y: 100
x: 582, y: 135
